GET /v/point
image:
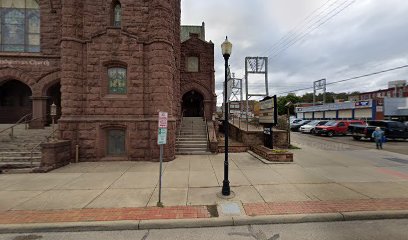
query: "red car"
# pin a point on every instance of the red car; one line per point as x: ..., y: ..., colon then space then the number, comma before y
x: 332, y: 128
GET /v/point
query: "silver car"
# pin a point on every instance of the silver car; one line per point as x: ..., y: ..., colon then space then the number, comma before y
x: 309, y: 128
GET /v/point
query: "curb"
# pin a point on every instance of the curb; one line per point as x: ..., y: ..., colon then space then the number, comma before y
x: 199, y: 223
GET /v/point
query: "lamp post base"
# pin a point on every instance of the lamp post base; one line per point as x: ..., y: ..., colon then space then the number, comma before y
x: 230, y: 196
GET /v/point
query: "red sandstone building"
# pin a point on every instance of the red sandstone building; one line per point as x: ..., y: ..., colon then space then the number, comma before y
x: 109, y: 66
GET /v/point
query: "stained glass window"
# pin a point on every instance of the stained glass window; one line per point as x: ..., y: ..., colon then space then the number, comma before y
x: 117, y: 17
x: 117, y: 80
x: 19, y: 26
x: 116, y: 142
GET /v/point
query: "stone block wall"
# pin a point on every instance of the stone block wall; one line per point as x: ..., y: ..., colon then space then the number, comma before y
x: 249, y: 138
x: 148, y: 46
x: 212, y: 137
x: 254, y: 138
x: 55, y: 154
x: 202, y: 81
x: 79, y: 43
x: 37, y: 70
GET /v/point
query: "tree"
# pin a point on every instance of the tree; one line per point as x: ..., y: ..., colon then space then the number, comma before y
x: 285, y: 99
x: 307, y: 98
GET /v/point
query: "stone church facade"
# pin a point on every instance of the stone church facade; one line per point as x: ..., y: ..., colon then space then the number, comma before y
x: 109, y: 66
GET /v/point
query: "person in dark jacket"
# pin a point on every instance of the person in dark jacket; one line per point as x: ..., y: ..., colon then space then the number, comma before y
x: 378, y: 136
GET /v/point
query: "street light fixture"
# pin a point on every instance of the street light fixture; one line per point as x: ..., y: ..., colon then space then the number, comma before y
x: 53, y: 114
x: 226, y: 48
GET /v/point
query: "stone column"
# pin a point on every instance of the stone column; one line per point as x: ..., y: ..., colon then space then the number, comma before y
x: 39, y: 112
x: 208, y: 109
x: 162, y: 57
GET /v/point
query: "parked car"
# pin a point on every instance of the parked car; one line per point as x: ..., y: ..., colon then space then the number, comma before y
x: 296, y: 120
x: 332, y: 128
x: 310, y: 127
x: 392, y: 130
x: 295, y: 126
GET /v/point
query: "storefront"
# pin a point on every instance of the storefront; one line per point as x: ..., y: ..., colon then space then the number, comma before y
x: 337, y: 111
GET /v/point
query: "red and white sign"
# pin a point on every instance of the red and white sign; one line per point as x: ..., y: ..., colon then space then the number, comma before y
x: 163, y: 117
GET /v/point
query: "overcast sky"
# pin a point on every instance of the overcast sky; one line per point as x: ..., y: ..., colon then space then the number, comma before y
x: 367, y: 36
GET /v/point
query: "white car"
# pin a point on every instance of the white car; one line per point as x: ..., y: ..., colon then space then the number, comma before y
x: 309, y: 128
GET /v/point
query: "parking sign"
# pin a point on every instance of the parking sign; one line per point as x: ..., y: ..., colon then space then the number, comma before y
x: 162, y: 132
x: 163, y: 117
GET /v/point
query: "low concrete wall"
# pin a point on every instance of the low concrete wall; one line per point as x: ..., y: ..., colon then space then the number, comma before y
x: 212, y: 137
x: 55, y: 154
x: 255, y: 138
x: 273, y: 155
x: 248, y: 138
x: 233, y: 149
x: 280, y: 138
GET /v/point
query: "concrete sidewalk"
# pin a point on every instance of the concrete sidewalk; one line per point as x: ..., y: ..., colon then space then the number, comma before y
x: 332, y: 176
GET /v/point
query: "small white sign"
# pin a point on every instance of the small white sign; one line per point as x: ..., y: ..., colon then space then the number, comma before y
x: 163, y: 117
x: 162, y: 136
x: 268, y: 104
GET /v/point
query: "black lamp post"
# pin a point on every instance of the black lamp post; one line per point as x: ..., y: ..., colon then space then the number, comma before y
x: 53, y: 113
x: 288, y: 105
x: 226, y: 47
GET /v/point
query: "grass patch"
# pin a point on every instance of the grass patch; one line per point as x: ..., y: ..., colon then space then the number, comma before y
x: 278, y: 151
x: 293, y: 147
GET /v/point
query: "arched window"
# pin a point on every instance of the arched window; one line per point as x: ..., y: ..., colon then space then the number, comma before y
x: 117, y: 14
x: 19, y: 26
x: 117, y: 80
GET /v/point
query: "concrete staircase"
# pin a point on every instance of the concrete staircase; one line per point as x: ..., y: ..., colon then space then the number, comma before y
x: 192, y: 139
x: 15, y: 153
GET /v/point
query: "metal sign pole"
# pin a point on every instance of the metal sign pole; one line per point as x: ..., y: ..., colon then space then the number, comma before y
x: 161, y: 140
x: 159, y: 203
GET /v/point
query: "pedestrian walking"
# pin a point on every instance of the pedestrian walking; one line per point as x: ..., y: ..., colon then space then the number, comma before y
x: 378, y: 136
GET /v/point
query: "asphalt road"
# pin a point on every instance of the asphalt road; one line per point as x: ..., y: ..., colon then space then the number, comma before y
x: 361, y: 230
x: 397, y: 146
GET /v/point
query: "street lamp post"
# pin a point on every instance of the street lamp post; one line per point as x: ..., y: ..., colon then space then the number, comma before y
x: 226, y: 47
x: 53, y: 114
x: 288, y: 105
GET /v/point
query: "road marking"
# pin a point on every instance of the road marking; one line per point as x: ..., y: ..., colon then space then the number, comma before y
x: 393, y: 173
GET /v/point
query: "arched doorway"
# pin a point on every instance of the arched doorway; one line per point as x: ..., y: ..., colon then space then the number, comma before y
x: 15, y: 101
x: 193, y: 104
x: 54, y: 96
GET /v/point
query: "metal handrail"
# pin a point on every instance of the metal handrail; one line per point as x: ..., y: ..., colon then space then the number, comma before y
x: 22, y: 120
x: 206, y: 128
x: 181, y: 122
x: 47, y: 139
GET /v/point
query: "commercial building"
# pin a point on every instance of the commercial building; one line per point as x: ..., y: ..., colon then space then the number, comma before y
x: 366, y: 109
x: 396, y: 108
x: 109, y: 66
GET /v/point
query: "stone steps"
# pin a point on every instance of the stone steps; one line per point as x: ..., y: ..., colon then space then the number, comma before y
x: 20, y: 159
x: 15, y: 153
x: 192, y: 139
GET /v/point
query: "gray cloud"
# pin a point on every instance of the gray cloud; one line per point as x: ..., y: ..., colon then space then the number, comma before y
x: 368, y: 36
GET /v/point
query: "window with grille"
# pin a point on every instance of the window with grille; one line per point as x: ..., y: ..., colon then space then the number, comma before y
x: 19, y: 26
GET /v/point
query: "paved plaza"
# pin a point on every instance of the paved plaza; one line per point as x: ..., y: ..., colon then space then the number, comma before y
x: 319, y: 173
x: 328, y: 181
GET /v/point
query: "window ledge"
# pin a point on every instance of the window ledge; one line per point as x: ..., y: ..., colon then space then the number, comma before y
x: 24, y: 54
x: 114, y: 158
x: 114, y: 27
x: 116, y: 96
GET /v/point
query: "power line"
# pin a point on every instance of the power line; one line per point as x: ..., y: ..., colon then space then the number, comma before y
x: 292, y: 38
x: 302, y: 25
x: 320, y: 23
x: 349, y: 79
